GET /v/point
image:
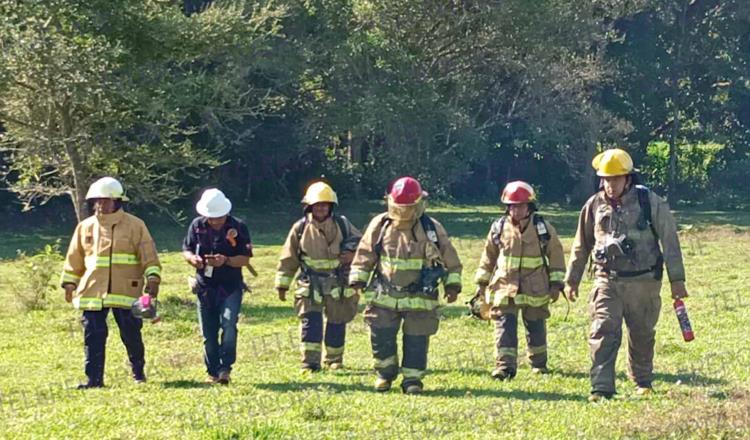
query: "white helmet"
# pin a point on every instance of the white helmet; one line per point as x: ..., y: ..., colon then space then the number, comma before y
x: 213, y: 203
x: 106, y: 188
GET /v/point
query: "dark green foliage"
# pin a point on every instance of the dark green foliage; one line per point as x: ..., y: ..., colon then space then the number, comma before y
x: 259, y: 97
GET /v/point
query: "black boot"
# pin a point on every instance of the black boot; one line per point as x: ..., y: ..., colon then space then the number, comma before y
x: 139, y: 376
x: 502, y: 374
x: 91, y: 383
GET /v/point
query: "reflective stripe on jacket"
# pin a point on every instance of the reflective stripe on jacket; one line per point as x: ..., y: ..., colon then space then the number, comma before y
x: 516, y: 268
x: 405, y: 252
x: 319, y: 246
x: 108, y: 257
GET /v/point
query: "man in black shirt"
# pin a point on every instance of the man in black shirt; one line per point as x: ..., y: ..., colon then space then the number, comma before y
x: 218, y: 246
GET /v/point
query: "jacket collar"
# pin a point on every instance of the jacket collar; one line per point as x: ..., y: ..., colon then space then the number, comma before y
x: 110, y: 219
x: 521, y: 225
x: 311, y: 219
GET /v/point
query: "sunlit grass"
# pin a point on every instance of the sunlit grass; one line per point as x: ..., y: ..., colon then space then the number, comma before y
x: 701, y: 386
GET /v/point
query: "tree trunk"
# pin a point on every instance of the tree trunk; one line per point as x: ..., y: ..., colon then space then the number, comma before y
x: 78, y: 198
x: 355, y: 148
x: 672, y: 173
x: 355, y: 157
x: 248, y: 183
x: 672, y: 176
x: 586, y: 183
x: 78, y: 188
x: 78, y: 191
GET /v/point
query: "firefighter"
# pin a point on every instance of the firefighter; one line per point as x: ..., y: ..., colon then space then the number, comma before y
x: 321, y: 247
x: 521, y: 270
x: 110, y: 254
x: 218, y: 246
x: 403, y: 256
x: 621, y: 228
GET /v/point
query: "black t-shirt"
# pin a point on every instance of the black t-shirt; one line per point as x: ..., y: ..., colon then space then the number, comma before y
x: 231, y: 240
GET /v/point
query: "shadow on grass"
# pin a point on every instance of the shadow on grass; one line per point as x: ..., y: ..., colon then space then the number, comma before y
x: 185, y: 384
x: 468, y: 371
x: 584, y: 374
x: 578, y: 374
x: 690, y: 379
x: 485, y: 372
x: 458, y: 392
x: 508, y: 394
x: 283, y: 387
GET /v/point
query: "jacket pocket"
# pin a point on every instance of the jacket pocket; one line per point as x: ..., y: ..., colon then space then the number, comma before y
x: 341, y: 310
x: 498, y: 276
x: 86, y: 282
x: 134, y: 287
x: 539, y: 284
x: 592, y: 301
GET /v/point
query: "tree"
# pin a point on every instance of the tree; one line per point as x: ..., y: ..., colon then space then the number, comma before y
x: 94, y: 88
x: 681, y: 68
x: 442, y: 90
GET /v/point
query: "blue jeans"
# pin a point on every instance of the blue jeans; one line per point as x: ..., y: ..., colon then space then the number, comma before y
x: 220, y: 353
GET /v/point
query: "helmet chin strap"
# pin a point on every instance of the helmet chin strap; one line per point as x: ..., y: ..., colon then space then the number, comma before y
x: 518, y: 222
x: 321, y: 220
x: 629, y: 182
x: 116, y: 206
x: 531, y: 210
x: 309, y: 209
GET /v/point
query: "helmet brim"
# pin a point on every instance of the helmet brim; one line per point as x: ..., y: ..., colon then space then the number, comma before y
x: 631, y: 172
x: 421, y: 198
x: 215, y: 211
x: 121, y: 198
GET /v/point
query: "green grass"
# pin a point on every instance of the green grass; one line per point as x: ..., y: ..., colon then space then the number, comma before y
x: 702, y: 389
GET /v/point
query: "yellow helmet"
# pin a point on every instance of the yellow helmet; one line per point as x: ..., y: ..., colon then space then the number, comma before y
x: 614, y: 162
x: 319, y: 192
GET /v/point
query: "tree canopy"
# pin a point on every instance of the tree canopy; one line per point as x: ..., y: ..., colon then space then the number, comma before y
x: 261, y: 96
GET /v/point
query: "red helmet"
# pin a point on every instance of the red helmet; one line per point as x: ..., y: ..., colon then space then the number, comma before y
x: 518, y: 192
x: 406, y: 190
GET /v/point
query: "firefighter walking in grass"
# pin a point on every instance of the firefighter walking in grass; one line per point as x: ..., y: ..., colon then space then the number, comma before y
x: 110, y: 255
x: 521, y: 270
x: 321, y: 246
x: 620, y: 228
x: 403, y: 256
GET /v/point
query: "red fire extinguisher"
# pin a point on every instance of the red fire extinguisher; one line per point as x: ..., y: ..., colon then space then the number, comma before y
x: 682, y: 317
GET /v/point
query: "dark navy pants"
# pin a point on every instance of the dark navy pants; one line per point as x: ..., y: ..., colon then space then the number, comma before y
x: 95, y: 334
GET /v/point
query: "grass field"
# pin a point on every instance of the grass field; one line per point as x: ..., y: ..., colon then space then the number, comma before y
x: 702, y: 387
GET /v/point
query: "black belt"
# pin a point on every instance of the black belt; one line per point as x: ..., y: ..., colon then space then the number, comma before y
x: 380, y: 279
x: 657, y: 269
x: 633, y: 273
x: 308, y: 271
x: 627, y: 273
